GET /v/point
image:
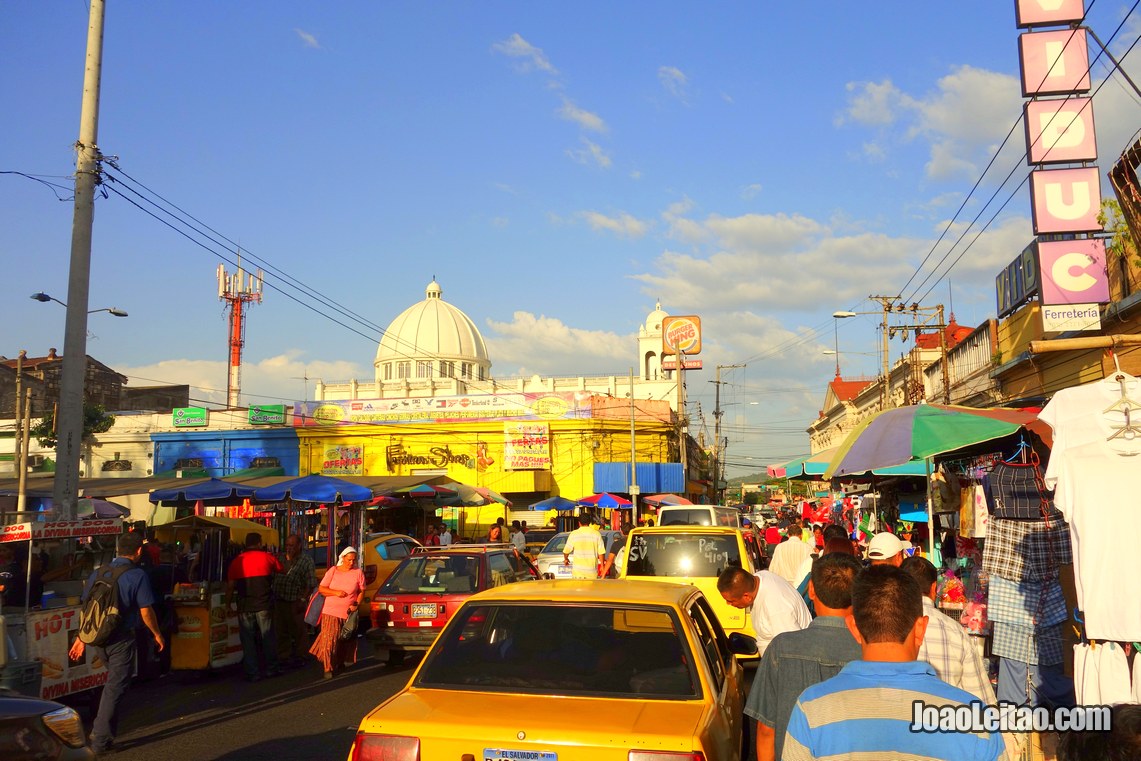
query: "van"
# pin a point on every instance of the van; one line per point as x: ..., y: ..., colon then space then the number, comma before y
x: 699, y: 515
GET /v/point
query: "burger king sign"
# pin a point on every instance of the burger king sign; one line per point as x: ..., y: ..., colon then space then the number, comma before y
x: 681, y: 335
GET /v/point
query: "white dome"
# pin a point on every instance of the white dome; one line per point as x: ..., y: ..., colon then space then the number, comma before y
x: 433, y: 330
x: 654, y: 320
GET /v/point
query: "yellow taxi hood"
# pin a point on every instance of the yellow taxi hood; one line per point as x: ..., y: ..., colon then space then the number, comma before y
x: 498, y: 719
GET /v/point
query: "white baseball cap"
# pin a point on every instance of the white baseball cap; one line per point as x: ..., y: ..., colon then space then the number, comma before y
x: 885, y: 545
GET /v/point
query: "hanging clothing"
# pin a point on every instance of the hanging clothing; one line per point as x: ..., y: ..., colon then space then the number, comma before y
x: 1026, y: 550
x: 1102, y: 678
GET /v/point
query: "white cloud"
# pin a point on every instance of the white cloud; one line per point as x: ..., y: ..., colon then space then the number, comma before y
x: 530, y: 57
x: 307, y: 39
x: 565, y: 349
x: 635, y: 174
x: 727, y: 97
x: 281, y: 378
x: 673, y: 80
x: 585, y: 119
x: 590, y: 153
x: 873, y: 103
x: 623, y: 224
x: 751, y: 191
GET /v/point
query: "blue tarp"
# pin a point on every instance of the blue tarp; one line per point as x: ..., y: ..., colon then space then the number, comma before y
x: 314, y: 488
x: 206, y: 491
x: 554, y: 503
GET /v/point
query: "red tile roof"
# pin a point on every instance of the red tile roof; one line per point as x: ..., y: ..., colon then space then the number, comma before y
x: 955, y: 333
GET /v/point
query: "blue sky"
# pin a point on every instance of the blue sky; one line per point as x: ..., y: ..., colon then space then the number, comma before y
x: 558, y: 169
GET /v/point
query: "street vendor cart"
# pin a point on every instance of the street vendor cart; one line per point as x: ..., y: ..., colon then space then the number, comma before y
x: 207, y: 632
x: 41, y: 631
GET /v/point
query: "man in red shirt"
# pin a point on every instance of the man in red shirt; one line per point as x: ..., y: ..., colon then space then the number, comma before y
x: 251, y: 577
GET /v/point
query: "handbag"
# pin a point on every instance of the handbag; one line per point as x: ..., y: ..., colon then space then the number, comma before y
x: 349, y: 627
x: 1016, y: 494
x: 316, y: 605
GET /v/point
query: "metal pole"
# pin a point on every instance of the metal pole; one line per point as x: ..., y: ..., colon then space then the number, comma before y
x: 682, y: 422
x: 886, y: 400
x: 70, y: 419
x: 634, y: 489
x: 19, y: 408
x: 930, y: 514
x: 23, y: 438
x: 946, y: 366
x: 716, y: 434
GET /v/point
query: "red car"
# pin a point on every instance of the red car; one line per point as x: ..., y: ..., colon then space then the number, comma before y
x: 427, y: 588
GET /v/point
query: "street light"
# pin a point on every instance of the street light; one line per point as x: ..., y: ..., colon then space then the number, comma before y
x: 836, y: 335
x: 44, y: 298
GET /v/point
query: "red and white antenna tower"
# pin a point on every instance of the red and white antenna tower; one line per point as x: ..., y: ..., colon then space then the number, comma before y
x: 237, y: 290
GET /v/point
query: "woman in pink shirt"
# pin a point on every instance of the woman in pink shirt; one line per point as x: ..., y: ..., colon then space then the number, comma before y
x: 342, y: 587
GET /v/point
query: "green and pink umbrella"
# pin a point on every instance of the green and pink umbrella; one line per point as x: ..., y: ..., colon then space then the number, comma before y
x: 919, y: 431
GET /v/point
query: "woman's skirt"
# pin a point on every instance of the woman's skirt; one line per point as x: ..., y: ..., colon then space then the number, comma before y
x: 329, y: 649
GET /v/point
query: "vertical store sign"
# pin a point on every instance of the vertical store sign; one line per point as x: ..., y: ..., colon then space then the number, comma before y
x: 1064, y: 201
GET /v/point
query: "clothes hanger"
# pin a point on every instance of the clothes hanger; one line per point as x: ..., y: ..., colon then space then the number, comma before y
x: 1126, y: 406
x: 1022, y: 447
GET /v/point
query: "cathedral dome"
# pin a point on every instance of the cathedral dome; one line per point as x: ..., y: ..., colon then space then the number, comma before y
x: 654, y: 320
x: 433, y: 331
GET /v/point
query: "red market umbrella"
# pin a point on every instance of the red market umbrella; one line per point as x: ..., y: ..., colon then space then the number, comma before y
x: 656, y: 500
x: 605, y: 499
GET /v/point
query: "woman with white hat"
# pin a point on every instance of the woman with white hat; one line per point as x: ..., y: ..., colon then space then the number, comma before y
x: 342, y: 587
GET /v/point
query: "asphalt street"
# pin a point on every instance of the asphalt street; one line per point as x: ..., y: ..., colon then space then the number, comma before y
x: 193, y: 716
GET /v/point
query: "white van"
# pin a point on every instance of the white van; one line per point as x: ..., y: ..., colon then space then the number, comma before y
x: 699, y: 515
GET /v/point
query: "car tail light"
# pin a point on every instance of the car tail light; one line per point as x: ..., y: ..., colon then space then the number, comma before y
x: 369, y: 747
x: 369, y: 573
x: 655, y: 755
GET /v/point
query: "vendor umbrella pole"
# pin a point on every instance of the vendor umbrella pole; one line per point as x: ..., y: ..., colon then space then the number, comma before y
x: 930, y: 513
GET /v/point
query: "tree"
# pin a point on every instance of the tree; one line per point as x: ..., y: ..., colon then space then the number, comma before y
x: 95, y: 420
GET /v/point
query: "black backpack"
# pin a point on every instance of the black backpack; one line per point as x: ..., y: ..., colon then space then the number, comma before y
x: 102, y: 615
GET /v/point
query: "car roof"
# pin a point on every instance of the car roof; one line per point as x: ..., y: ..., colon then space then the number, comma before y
x: 624, y: 591
x: 685, y: 528
x: 464, y: 549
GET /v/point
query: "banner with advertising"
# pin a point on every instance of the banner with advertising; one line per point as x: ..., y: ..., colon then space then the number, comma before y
x: 445, y: 409
x: 50, y: 635
x: 1073, y: 271
x: 526, y: 446
x: 343, y: 460
x: 23, y: 532
x: 681, y: 334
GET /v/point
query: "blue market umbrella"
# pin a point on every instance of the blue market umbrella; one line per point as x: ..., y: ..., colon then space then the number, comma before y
x: 555, y: 503
x: 314, y: 488
x: 214, y: 490
x: 606, y: 499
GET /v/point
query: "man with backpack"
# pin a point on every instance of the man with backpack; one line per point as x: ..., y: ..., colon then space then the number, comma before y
x: 116, y: 599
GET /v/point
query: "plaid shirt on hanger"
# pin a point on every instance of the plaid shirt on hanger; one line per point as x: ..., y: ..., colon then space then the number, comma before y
x: 1019, y: 603
x: 1041, y: 647
x: 1026, y: 550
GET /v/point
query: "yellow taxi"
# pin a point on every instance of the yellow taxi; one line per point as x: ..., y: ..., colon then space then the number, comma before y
x: 569, y: 670
x: 693, y: 555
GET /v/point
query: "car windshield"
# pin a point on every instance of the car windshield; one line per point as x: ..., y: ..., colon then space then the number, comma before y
x: 682, y: 554
x: 556, y: 544
x: 551, y: 649
x: 434, y: 573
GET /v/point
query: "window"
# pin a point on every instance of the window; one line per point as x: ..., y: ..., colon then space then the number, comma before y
x: 388, y: 371
x: 447, y: 369
x: 501, y: 570
x: 481, y: 376
x: 117, y: 465
x: 403, y: 370
x: 682, y: 554
x: 423, y: 369
x: 465, y: 369
x: 189, y: 462
x: 707, y: 641
x: 396, y: 549
x: 265, y: 462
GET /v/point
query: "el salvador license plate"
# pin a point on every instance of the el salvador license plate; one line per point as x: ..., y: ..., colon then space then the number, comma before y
x: 498, y: 754
x: 562, y: 571
x: 424, y: 610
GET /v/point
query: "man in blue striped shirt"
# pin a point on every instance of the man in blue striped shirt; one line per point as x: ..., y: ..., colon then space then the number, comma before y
x: 867, y: 710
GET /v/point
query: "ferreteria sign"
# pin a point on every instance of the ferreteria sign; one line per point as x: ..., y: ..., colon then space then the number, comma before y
x: 267, y: 414
x: 188, y: 417
x: 681, y: 335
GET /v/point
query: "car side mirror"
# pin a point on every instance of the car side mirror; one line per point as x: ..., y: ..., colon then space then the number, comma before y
x: 742, y: 644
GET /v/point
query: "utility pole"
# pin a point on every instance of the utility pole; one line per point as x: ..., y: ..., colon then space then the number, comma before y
x: 944, y: 362
x: 682, y: 422
x: 634, y: 489
x: 65, y: 492
x: 718, y: 464
x: 885, y: 391
x: 19, y: 408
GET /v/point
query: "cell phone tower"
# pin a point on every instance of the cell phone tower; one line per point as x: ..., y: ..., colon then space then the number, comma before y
x: 237, y: 290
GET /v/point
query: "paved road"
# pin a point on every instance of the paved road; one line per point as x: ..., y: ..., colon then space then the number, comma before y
x: 190, y: 717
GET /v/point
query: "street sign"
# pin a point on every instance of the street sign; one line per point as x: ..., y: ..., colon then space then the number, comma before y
x: 189, y: 417
x: 267, y: 414
x: 689, y: 364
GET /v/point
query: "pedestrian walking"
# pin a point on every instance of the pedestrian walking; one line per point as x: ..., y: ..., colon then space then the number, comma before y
x: 250, y: 577
x: 342, y: 587
x: 587, y: 548
x: 136, y: 606
x: 290, y: 596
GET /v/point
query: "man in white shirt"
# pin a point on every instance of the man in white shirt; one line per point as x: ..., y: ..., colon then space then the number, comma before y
x: 518, y: 538
x: 775, y: 606
x: 789, y: 555
x: 886, y: 548
x: 445, y: 535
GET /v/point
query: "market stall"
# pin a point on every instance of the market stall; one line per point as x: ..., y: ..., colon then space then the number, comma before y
x: 207, y: 632
x: 42, y: 626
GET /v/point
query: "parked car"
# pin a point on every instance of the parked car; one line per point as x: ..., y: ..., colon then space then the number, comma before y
x: 693, y: 555
x: 426, y: 589
x: 34, y: 729
x: 561, y: 671
x: 380, y: 554
x: 550, y: 559
x: 537, y: 539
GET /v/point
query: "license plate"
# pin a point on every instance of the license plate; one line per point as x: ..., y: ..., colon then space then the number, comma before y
x: 498, y: 754
x: 424, y: 610
x: 562, y: 571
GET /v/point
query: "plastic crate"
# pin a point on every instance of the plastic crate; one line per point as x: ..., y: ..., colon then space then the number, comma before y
x: 24, y: 677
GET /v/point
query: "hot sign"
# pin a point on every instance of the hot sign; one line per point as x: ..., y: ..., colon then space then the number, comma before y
x: 681, y: 335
